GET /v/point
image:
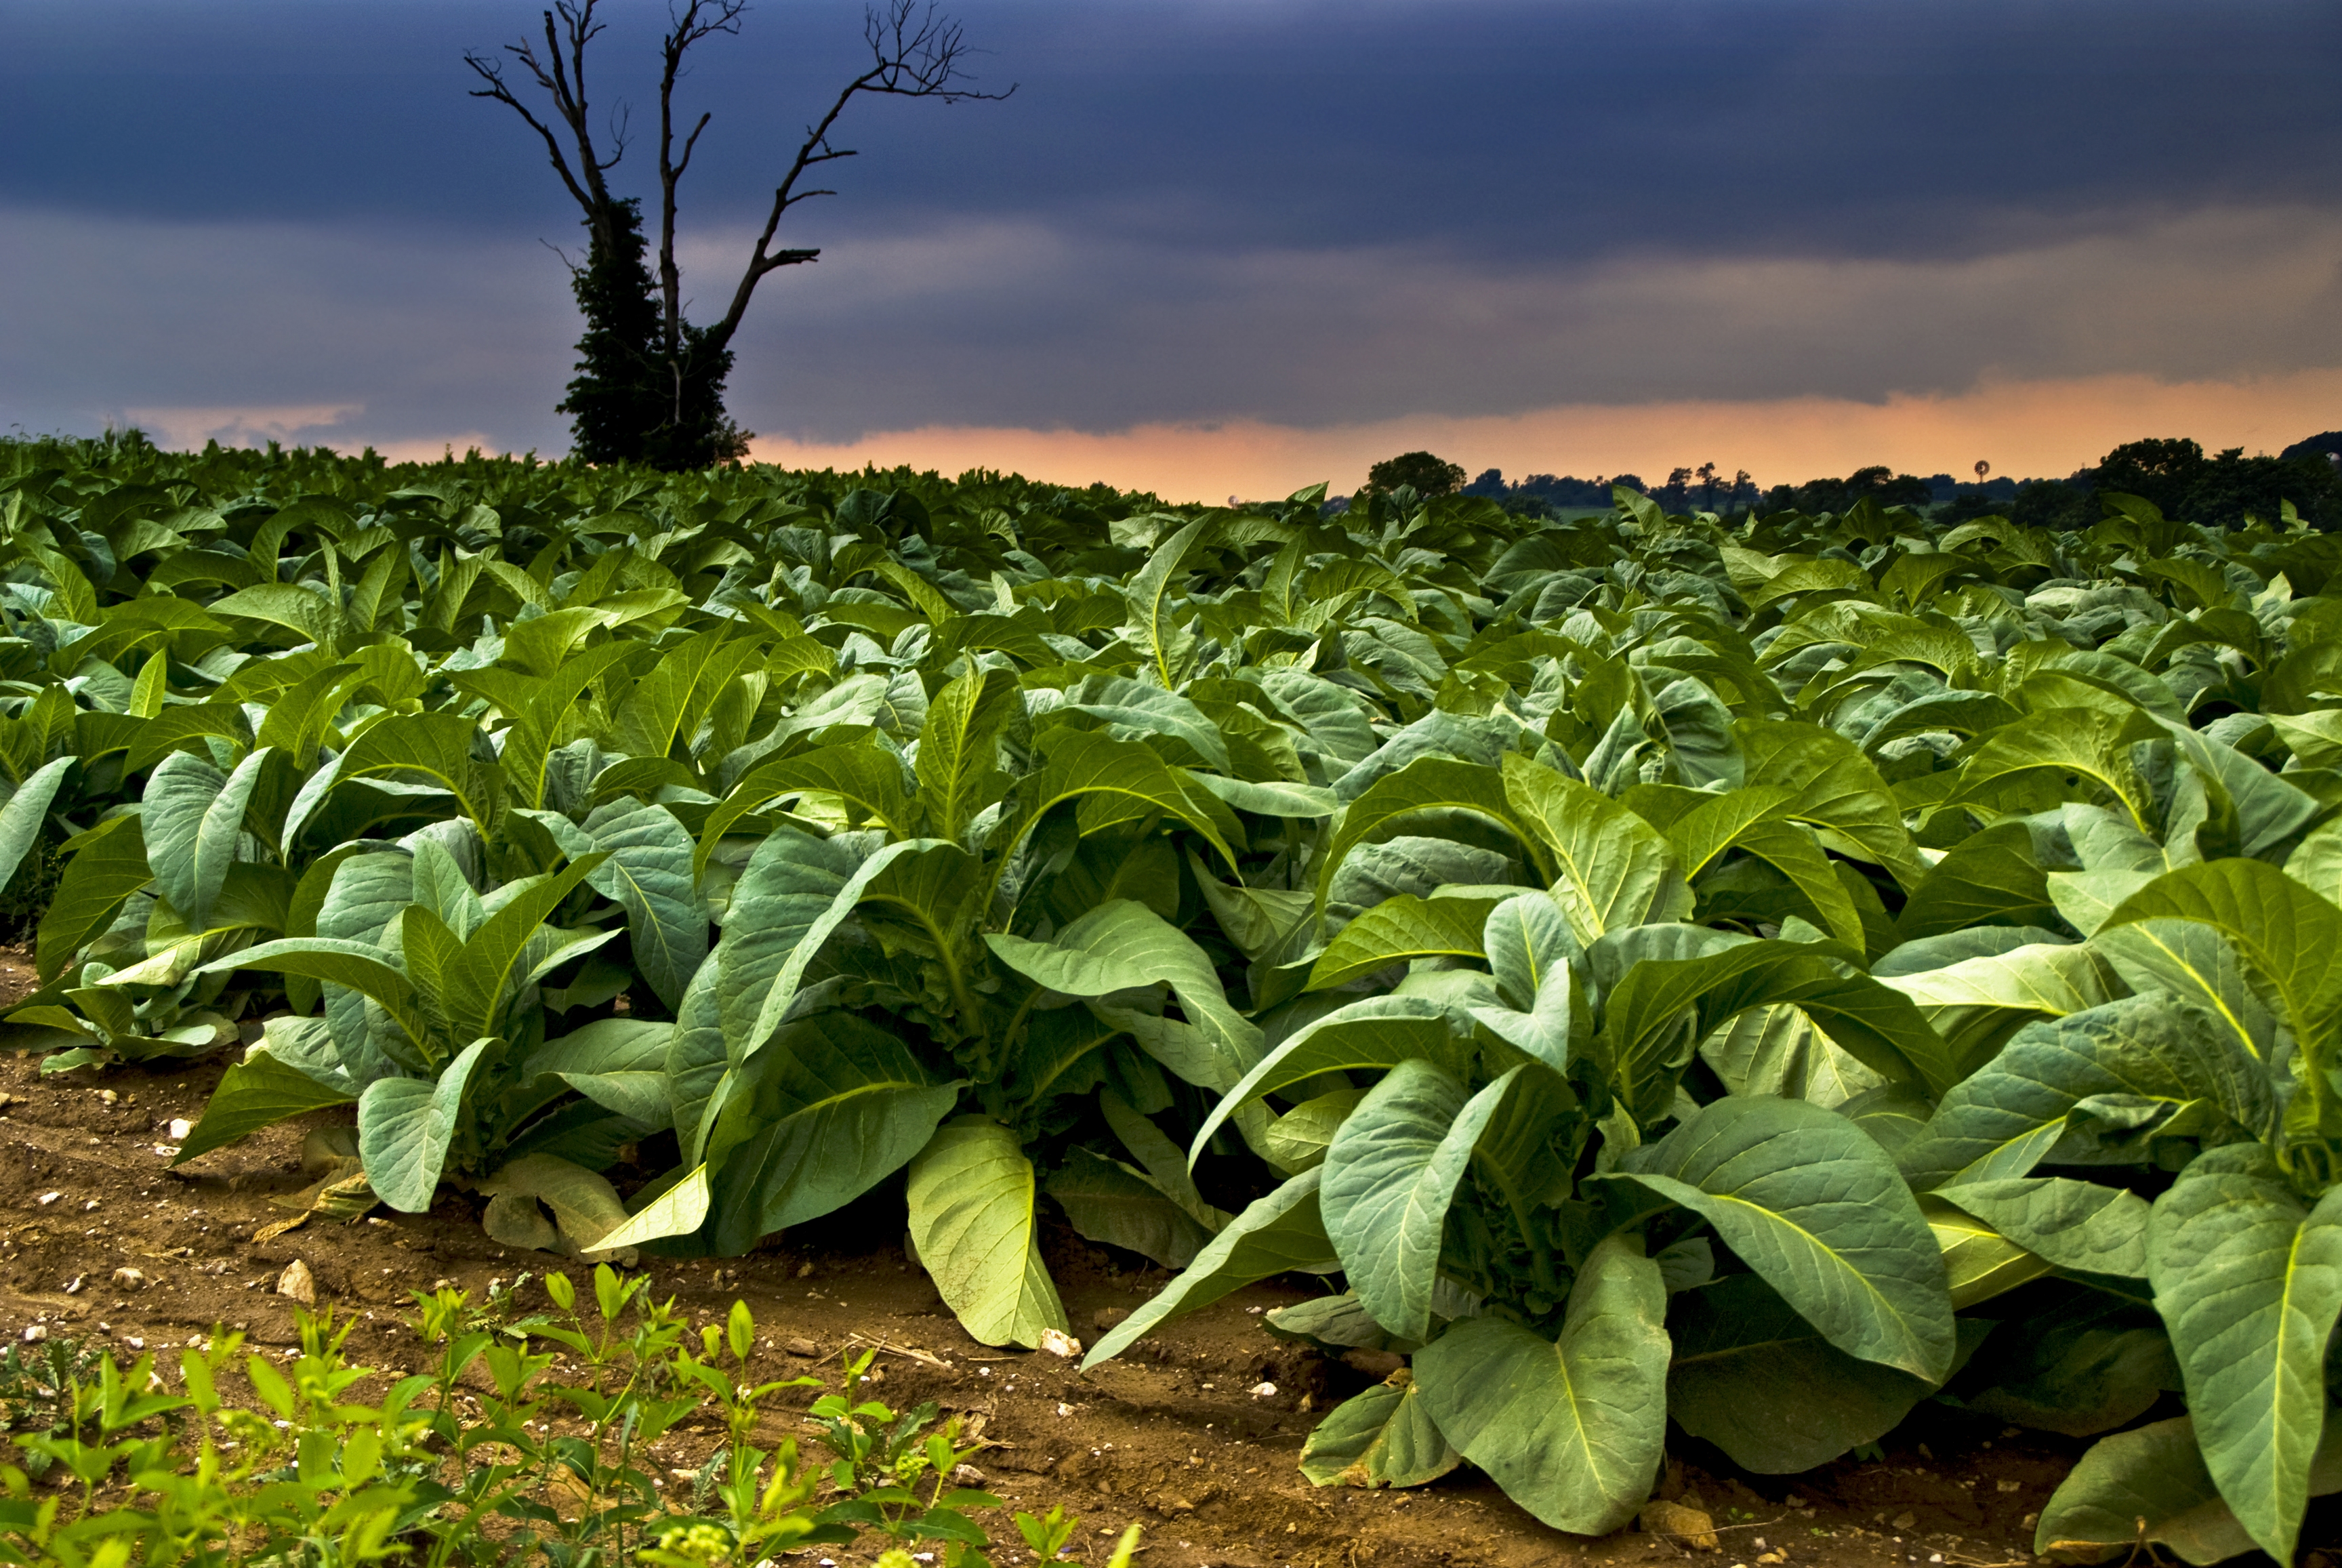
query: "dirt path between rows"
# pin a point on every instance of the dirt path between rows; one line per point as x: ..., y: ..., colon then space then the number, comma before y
x: 1172, y: 1436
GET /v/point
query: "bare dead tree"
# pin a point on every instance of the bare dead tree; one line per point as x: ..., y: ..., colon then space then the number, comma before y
x: 915, y: 53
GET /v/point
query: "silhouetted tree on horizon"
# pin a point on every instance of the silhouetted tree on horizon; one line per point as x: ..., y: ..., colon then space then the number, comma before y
x: 650, y: 385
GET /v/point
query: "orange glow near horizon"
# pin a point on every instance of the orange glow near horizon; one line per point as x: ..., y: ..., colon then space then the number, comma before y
x: 2024, y: 429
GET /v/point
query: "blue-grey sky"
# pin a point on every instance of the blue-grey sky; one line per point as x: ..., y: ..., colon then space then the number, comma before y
x: 260, y: 216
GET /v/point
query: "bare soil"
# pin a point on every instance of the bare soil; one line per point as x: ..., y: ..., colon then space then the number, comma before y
x: 1172, y: 1436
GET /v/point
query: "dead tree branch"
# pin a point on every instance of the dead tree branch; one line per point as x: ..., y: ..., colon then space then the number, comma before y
x: 915, y: 53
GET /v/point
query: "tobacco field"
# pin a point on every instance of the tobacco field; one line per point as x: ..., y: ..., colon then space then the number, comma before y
x: 1658, y: 977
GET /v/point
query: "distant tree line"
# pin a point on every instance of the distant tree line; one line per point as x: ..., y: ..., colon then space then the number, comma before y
x: 2223, y: 488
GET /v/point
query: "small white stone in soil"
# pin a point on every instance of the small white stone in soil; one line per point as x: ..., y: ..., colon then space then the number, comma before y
x: 299, y: 1282
x: 179, y: 1129
x: 1268, y: 1391
x: 45, y: 1199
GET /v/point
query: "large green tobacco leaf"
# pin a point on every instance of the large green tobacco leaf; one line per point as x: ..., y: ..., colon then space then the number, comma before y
x: 2134, y: 1070
x: 1271, y: 797
x: 1383, y: 1437
x: 364, y: 899
x: 436, y: 745
x: 486, y: 970
x: 2090, y: 1364
x: 924, y: 901
x: 1979, y: 1262
x: 959, y: 761
x: 1553, y: 1028
x: 2188, y: 958
x: 865, y: 778
x: 2267, y: 810
x: 1807, y: 1200
x: 1280, y: 1233
x: 972, y: 1221
x: 1163, y: 645
x: 1299, y: 1139
x: 360, y: 965
x: 1702, y: 826
x: 1426, y: 785
x: 696, y: 1066
x: 1335, y: 717
x: 649, y: 872
x: 2249, y: 1282
x: 2316, y: 862
x: 1335, y: 1323
x: 1122, y: 945
x: 300, y: 717
x: 1751, y: 1376
x: 1992, y: 877
x: 1398, y: 930
x: 619, y: 1063
x: 2088, y: 741
x: 1164, y: 1164
x: 1789, y: 848
x: 668, y: 701
x: 2074, y: 1225
x: 1776, y: 1050
x: 108, y: 864
x: 539, y: 711
x: 441, y: 886
x: 1530, y: 946
x: 2150, y: 1486
x: 27, y: 809
x: 257, y: 1091
x: 405, y: 1125
x: 1260, y: 921
x: 796, y: 891
x: 1833, y: 786
x: 1976, y: 1004
x: 836, y: 1107
x: 1134, y: 710
x: 1573, y: 1429
x: 1611, y: 867
x: 2291, y: 939
x: 301, y: 612
x: 1390, y: 1177
x: 1108, y: 1202
x: 1375, y: 1032
x: 1875, y: 1025
x: 1113, y: 780
x: 1526, y: 938
x: 194, y: 814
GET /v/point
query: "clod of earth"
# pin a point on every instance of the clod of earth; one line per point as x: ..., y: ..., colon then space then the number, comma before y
x: 1686, y: 1526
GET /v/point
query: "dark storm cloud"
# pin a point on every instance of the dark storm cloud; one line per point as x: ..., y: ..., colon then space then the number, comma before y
x: 1832, y: 126
x: 1305, y: 212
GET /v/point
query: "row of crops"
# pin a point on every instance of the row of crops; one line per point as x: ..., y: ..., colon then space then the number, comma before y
x: 1755, y: 978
